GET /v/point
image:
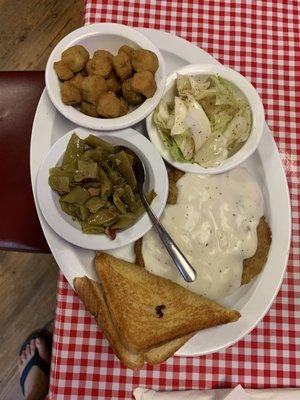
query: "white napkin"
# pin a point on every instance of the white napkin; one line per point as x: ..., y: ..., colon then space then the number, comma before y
x: 237, y: 393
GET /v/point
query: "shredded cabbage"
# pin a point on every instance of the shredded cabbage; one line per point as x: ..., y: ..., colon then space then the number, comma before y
x: 206, y: 123
x: 183, y: 85
x: 197, y: 122
x: 163, y: 118
x: 172, y: 146
x: 179, y: 126
x: 213, y: 152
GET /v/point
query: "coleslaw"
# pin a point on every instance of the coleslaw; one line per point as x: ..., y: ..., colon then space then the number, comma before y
x: 206, y: 123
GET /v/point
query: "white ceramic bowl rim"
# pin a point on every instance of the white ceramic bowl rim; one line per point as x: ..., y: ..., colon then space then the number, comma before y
x: 70, y: 230
x: 75, y: 37
x: 257, y: 112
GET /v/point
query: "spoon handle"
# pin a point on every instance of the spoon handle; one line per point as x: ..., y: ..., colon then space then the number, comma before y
x: 184, y: 267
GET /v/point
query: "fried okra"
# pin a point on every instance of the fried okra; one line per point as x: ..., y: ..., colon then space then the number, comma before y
x: 63, y: 71
x: 130, y: 94
x: 122, y: 66
x: 125, y: 49
x: 103, y: 53
x: 99, y: 65
x: 75, y: 58
x: 70, y: 94
x: 124, y: 106
x: 144, y: 83
x: 110, y: 106
x: 92, y: 87
x: 77, y: 80
x: 113, y: 84
x: 88, y: 109
x: 105, y: 85
x: 144, y: 60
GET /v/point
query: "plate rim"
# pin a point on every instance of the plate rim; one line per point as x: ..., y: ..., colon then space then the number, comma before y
x: 167, y: 43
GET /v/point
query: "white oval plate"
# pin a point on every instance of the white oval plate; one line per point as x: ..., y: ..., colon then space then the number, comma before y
x: 244, y: 87
x: 70, y: 230
x: 110, y: 37
x: 252, y: 300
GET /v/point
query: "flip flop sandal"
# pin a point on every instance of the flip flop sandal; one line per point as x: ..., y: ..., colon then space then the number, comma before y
x: 36, y: 359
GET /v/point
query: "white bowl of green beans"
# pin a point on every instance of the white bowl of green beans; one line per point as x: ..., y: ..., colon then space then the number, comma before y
x: 86, y: 187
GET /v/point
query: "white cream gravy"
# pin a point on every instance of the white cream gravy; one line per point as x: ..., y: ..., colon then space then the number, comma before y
x: 214, y: 224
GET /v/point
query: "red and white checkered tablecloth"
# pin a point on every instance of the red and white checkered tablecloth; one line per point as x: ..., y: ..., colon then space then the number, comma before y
x: 260, y: 39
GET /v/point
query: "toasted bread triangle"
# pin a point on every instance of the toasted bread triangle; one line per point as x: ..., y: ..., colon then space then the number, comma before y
x: 134, y: 297
x: 92, y: 295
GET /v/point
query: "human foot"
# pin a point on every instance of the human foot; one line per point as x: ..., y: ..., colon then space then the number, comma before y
x: 37, y: 381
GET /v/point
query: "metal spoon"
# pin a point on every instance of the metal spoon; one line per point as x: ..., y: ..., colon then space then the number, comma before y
x: 184, y: 267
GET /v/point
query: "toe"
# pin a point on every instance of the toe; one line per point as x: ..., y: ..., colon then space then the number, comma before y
x: 42, y: 348
x: 32, y: 346
x: 23, y: 356
x: 40, y: 343
x: 27, y: 350
x: 20, y: 363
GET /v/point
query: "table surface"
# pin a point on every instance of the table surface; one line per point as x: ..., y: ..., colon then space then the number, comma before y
x: 260, y: 39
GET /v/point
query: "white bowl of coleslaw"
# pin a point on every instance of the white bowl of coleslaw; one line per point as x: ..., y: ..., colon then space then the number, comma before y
x: 209, y: 120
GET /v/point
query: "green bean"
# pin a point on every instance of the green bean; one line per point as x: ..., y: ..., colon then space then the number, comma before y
x: 139, y: 208
x: 82, y: 213
x: 102, y: 217
x: 73, y: 151
x: 106, y: 185
x: 60, y: 184
x: 95, y: 141
x: 124, y: 221
x: 71, y: 168
x: 78, y: 196
x: 122, y: 164
x: 116, y: 178
x: 130, y: 158
x: 110, y: 206
x: 129, y: 199
x: 129, y: 153
x: 98, y: 155
x: 92, y: 229
x: 59, y: 171
x: 139, y: 205
x: 78, y: 178
x: 93, y: 191
x: 88, y: 169
x: 95, y: 203
x: 69, y: 209
x: 92, y: 184
x: 117, y: 200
